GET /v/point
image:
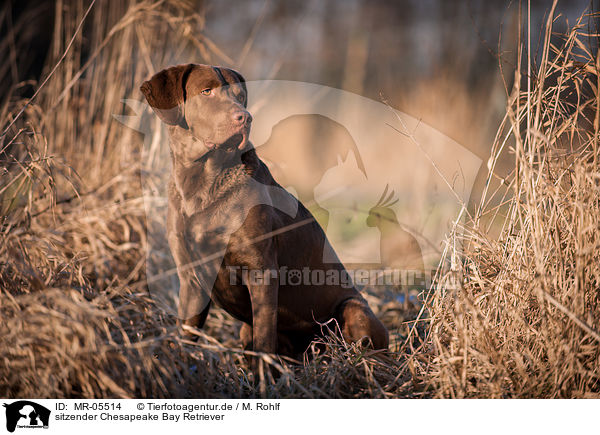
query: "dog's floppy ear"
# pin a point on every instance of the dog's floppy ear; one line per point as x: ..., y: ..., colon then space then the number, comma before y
x: 240, y: 79
x: 165, y: 92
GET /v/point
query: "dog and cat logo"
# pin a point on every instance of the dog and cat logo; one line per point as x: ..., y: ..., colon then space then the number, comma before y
x: 384, y: 186
x: 25, y: 414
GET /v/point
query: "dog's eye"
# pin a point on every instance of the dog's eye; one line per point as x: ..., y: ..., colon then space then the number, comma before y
x: 207, y: 91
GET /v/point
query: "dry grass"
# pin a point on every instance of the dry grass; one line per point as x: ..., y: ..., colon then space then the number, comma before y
x: 523, y: 319
x: 77, y: 317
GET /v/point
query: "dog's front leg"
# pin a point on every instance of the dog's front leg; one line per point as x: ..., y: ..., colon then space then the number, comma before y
x: 264, y: 316
x: 194, y: 303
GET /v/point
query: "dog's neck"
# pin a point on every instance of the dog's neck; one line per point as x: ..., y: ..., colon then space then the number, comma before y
x: 208, y: 178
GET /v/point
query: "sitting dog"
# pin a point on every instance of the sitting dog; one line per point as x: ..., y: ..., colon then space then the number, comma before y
x: 228, y: 217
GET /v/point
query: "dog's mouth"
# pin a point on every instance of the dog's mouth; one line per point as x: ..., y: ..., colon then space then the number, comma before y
x: 236, y: 142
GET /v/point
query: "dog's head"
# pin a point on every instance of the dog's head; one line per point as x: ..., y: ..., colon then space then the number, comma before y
x: 207, y: 103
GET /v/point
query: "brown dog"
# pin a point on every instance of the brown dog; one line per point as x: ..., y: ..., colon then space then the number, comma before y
x: 233, y: 230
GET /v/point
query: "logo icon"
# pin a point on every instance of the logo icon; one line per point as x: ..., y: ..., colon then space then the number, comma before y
x: 384, y: 187
x: 26, y: 414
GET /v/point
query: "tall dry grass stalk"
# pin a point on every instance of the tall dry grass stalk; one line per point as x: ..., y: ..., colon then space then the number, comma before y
x: 524, y: 318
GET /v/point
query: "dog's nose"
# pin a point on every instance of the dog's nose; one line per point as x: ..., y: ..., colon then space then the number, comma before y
x: 242, y: 117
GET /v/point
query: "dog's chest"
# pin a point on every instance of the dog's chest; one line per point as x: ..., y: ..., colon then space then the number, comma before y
x: 216, y: 222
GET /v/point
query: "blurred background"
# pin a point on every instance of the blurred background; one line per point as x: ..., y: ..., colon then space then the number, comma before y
x: 436, y: 60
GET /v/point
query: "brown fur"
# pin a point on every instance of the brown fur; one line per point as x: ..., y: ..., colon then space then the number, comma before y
x: 221, y: 199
